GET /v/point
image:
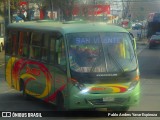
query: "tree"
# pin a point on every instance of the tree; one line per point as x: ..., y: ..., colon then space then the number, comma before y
x: 65, y: 6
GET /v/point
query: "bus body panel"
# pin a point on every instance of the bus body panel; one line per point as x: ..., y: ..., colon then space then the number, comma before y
x: 39, y: 80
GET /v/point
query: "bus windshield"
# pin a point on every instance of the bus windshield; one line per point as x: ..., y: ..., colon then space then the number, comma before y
x: 101, y: 52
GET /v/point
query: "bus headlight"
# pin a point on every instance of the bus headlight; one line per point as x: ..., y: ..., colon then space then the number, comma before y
x: 80, y: 86
x: 132, y: 85
x: 84, y: 90
x: 77, y: 84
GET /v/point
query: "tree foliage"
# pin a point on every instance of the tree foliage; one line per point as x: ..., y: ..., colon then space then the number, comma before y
x: 65, y: 6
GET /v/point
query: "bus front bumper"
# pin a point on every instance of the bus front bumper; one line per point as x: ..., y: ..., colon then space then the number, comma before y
x: 93, y: 101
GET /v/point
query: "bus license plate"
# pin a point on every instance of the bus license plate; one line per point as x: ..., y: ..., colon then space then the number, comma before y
x: 108, y: 99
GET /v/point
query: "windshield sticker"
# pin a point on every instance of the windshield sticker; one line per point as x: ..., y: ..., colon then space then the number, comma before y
x: 105, y: 40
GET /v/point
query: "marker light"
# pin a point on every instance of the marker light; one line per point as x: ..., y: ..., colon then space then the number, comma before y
x: 132, y: 85
x: 77, y: 84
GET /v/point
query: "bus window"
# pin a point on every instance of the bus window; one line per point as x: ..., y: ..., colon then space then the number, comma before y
x: 52, y: 44
x: 45, y: 47
x: 23, y: 44
x: 35, y: 45
x: 11, y: 44
x: 111, y: 52
x: 55, y: 48
x: 60, y: 52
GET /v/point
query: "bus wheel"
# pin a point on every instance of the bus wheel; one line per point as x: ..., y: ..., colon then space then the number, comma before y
x: 150, y: 47
x: 25, y: 95
x: 60, y: 102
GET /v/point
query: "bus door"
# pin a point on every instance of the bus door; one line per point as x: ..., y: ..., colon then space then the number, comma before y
x: 37, y: 66
x: 58, y: 67
x: 10, y: 56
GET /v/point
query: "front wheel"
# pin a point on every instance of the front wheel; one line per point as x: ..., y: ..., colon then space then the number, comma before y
x: 60, y: 102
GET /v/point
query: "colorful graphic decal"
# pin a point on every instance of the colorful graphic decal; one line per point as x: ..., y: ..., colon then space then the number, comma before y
x: 13, y: 75
x: 116, y: 88
x: 13, y: 69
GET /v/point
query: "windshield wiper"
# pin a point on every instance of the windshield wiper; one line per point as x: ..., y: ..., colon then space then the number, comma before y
x: 96, y: 61
x: 111, y: 57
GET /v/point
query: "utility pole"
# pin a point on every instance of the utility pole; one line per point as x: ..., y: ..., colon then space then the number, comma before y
x: 9, y: 12
x: 52, y: 10
x: 94, y: 3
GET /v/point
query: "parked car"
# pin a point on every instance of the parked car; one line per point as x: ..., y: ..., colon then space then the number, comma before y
x: 137, y: 26
x: 154, y: 41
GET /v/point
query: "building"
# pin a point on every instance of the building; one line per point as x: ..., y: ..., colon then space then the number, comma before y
x: 140, y: 10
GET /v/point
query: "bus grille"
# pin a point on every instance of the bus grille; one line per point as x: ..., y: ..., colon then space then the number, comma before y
x: 101, y: 102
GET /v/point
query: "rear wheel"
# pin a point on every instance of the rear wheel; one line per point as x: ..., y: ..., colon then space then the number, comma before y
x: 150, y: 46
x: 25, y: 95
x: 60, y: 102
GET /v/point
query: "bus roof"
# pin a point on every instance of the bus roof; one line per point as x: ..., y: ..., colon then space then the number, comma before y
x: 68, y: 27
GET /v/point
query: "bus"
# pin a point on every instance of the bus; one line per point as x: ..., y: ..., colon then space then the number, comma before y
x: 74, y: 66
x: 153, y: 26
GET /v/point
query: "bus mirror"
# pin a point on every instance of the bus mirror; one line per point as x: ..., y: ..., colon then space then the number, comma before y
x: 131, y: 34
x: 133, y: 40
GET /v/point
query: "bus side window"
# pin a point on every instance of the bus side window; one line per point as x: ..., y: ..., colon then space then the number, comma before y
x: 8, y: 48
x: 14, y: 42
x: 23, y: 44
x: 35, y: 45
x: 52, y: 46
x: 60, y: 52
x: 45, y: 47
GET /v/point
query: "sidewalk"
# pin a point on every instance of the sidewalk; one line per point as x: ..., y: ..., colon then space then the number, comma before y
x: 143, y: 41
x: 141, y: 45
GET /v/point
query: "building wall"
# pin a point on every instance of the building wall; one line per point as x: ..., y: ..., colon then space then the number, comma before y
x: 140, y: 10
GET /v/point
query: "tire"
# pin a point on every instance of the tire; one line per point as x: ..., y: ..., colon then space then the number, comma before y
x: 60, y: 102
x: 150, y: 47
x: 25, y: 95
